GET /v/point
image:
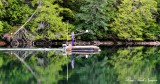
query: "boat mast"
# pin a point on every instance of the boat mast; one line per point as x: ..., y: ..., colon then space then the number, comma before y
x: 72, y: 38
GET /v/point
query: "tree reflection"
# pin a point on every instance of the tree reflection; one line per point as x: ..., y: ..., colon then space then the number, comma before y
x: 136, y: 64
x: 112, y: 66
x: 45, y: 65
x: 117, y: 66
x: 48, y: 66
x: 91, y: 70
x: 13, y: 71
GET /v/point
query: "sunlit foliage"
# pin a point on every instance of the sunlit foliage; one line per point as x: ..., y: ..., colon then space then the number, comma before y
x: 135, y: 20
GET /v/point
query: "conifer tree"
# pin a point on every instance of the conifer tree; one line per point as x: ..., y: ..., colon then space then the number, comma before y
x: 93, y: 16
x: 135, y: 19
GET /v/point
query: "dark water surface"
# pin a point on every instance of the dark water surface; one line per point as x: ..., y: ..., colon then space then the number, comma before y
x: 113, y: 65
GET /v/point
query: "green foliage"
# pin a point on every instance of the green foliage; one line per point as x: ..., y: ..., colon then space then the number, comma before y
x: 6, y: 27
x: 135, y: 63
x: 93, y: 16
x: 158, y: 15
x: 73, y: 5
x: 157, y: 30
x: 92, y: 71
x: 47, y: 72
x: 135, y: 19
x: 1, y: 4
x: 1, y: 27
x: 16, y: 12
x: 119, y: 19
x: 49, y: 23
x: 111, y: 66
x: 13, y: 13
x: 13, y: 71
x: 117, y: 65
x: 46, y: 67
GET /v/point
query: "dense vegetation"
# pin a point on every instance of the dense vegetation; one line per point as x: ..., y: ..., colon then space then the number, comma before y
x: 105, y: 19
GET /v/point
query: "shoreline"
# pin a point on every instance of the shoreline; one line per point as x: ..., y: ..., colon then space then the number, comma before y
x: 43, y: 43
x: 143, y: 43
x: 101, y: 43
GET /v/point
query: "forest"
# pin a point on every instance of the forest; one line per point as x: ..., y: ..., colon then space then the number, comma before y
x: 105, y: 19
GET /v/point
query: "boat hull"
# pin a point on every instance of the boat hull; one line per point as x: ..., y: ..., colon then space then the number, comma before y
x: 83, y: 48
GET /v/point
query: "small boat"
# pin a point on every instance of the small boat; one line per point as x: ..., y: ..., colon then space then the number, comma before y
x: 80, y: 53
x: 82, y: 48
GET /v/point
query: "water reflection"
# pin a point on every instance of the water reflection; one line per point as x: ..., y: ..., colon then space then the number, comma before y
x: 72, y: 60
x: 119, y: 65
x: 136, y: 65
x: 37, y: 67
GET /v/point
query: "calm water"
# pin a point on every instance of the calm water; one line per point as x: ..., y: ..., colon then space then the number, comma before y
x: 113, y: 65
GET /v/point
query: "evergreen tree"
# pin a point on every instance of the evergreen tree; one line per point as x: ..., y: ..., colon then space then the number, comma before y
x: 135, y: 19
x: 157, y: 31
x: 93, y: 16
